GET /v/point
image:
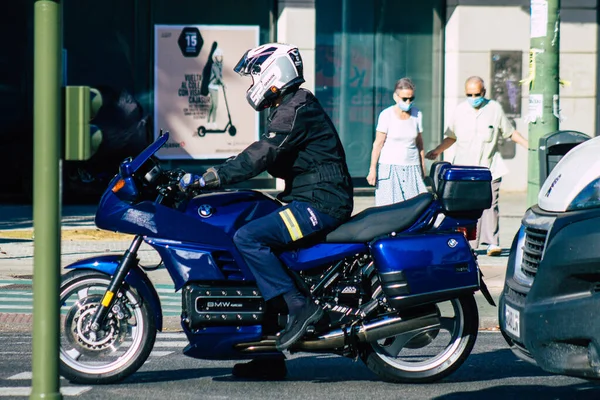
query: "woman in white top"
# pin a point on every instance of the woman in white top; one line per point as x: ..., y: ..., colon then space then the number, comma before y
x: 398, y: 160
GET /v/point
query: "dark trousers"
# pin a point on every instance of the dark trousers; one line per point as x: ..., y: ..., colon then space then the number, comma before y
x: 297, y: 222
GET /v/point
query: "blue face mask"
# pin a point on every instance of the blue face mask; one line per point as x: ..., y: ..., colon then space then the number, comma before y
x: 404, y: 106
x: 475, y: 101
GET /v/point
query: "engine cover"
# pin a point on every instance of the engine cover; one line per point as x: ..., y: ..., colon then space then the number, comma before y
x: 223, y: 305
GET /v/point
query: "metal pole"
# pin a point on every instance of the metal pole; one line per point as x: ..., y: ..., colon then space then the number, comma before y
x: 543, y: 84
x: 346, y: 55
x: 46, y: 198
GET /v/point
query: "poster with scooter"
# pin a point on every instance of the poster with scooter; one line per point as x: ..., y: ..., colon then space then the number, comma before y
x: 198, y: 97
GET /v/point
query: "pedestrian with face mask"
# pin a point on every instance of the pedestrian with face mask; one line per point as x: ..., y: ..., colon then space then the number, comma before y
x: 397, y: 159
x: 475, y: 127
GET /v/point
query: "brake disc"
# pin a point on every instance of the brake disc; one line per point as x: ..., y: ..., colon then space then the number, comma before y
x: 102, y: 342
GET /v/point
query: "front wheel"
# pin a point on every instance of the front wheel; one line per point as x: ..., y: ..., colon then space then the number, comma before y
x: 430, y: 355
x: 119, y: 348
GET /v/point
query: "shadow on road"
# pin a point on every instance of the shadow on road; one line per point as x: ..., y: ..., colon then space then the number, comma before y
x: 172, y: 375
x: 492, y: 365
x: 584, y: 391
x: 13, y: 240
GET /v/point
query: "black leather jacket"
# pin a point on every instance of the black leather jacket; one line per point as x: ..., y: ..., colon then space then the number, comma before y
x: 302, y: 147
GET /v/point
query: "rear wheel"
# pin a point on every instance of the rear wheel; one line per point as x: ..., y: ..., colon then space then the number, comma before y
x: 431, y: 355
x: 119, y: 348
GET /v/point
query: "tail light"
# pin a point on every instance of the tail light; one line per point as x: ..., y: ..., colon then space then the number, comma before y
x: 469, y: 232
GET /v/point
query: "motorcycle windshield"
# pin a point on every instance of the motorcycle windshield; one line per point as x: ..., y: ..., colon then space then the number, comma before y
x: 148, y: 152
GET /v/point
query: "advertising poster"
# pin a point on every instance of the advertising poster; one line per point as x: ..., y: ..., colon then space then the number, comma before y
x: 198, y: 97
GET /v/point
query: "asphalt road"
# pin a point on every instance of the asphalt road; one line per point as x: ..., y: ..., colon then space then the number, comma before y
x: 491, y: 372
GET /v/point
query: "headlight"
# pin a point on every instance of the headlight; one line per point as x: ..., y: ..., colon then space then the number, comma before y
x: 589, y: 197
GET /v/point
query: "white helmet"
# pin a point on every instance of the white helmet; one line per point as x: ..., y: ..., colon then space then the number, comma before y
x: 274, y: 68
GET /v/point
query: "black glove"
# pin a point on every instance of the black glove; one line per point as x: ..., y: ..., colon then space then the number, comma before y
x: 210, y: 179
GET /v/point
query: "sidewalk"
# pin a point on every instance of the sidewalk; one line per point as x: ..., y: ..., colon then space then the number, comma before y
x: 81, y: 239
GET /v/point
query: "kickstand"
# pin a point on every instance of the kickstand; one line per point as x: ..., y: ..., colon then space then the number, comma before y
x: 485, y: 291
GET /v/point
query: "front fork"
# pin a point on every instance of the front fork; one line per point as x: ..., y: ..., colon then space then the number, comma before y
x: 129, y: 259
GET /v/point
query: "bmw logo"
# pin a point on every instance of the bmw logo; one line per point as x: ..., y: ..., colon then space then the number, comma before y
x: 452, y: 243
x: 205, y: 210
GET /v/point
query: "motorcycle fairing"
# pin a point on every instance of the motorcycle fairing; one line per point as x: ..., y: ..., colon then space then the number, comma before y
x: 217, y: 343
x: 187, y: 262
x: 136, y: 278
x: 145, y: 155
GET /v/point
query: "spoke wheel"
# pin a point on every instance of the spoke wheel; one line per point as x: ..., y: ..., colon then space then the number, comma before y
x: 427, y: 355
x: 121, y: 345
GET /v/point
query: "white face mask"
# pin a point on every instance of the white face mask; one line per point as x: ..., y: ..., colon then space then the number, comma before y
x: 404, y: 106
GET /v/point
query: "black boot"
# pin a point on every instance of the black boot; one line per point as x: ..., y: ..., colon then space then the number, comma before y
x: 261, y: 368
x: 298, y: 323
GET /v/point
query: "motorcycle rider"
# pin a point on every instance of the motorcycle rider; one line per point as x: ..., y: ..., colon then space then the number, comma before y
x: 302, y: 147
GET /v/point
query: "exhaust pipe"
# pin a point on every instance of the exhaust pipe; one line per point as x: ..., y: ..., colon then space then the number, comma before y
x: 370, y: 332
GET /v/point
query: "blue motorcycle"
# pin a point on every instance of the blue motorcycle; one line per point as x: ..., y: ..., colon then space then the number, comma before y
x: 397, y: 282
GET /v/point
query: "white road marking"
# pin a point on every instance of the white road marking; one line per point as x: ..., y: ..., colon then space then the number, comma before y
x: 26, y: 390
x: 15, y: 307
x: 180, y: 335
x: 18, y: 292
x: 160, y: 353
x: 22, y: 375
x: 163, y: 344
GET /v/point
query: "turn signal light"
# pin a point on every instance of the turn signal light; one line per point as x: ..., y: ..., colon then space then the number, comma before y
x: 118, y: 186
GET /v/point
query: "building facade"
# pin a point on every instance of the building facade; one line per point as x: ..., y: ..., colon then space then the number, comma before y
x: 353, y: 52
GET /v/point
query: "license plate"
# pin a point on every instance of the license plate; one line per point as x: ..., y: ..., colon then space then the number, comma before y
x: 512, y: 321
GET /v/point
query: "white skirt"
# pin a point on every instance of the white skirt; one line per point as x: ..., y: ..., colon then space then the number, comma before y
x: 396, y: 183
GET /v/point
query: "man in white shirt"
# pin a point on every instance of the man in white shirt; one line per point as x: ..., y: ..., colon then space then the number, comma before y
x: 475, y: 127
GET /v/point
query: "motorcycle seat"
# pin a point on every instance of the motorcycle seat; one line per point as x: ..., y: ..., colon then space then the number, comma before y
x: 377, y: 221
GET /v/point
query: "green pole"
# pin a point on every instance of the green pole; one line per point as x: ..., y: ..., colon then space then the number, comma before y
x: 543, y: 84
x: 46, y: 197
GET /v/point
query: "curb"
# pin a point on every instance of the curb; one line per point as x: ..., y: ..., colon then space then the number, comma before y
x: 70, y: 234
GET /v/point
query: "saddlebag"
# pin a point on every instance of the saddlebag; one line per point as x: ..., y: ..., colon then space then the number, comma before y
x: 429, y: 268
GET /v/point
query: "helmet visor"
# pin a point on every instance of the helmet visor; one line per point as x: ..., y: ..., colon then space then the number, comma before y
x: 242, y: 66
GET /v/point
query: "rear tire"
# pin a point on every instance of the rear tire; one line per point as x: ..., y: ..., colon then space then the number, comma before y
x: 89, y: 359
x: 384, y: 359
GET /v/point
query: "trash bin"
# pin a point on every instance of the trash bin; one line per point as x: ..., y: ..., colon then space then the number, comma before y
x: 554, y: 146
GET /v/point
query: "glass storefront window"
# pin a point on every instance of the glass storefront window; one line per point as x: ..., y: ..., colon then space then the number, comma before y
x: 362, y: 49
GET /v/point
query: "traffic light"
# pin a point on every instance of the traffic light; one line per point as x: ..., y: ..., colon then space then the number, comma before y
x: 82, y: 138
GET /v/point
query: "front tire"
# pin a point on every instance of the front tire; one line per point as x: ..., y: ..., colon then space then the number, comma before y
x: 119, y: 348
x: 428, y: 356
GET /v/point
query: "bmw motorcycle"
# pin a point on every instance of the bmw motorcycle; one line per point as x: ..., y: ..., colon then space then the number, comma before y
x: 397, y: 282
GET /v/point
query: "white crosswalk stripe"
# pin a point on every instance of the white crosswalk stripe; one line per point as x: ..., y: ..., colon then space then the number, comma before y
x: 26, y: 390
x: 167, y: 343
